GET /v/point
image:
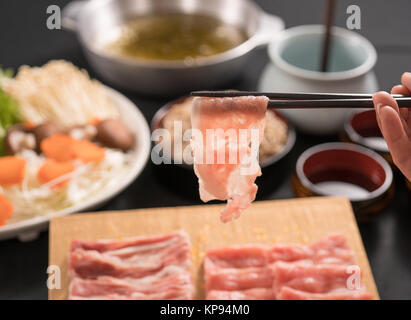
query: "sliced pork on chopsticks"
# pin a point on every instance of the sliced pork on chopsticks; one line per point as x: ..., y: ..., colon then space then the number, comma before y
x: 226, y: 135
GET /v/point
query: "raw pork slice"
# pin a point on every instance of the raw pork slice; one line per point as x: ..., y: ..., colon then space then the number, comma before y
x: 134, y: 263
x: 138, y: 243
x: 292, y: 294
x: 176, y: 286
x: 308, y: 277
x: 249, y: 266
x: 239, y: 279
x: 244, y: 256
x: 281, y: 271
x: 154, y: 267
x: 333, y: 249
x: 249, y: 294
x: 231, y: 178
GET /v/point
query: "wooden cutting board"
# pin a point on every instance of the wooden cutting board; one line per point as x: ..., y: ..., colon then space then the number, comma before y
x: 268, y: 222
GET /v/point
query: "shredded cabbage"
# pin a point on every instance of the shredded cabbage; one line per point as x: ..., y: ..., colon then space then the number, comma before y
x: 32, y: 199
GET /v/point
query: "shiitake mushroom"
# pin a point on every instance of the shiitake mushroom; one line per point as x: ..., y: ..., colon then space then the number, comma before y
x: 114, y: 134
x: 111, y: 133
x: 45, y: 130
x: 18, y: 138
x: 83, y: 132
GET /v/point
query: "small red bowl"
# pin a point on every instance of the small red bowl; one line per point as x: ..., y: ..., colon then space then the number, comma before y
x: 345, y: 169
x: 362, y: 128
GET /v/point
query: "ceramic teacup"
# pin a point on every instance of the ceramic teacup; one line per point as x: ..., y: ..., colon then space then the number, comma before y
x: 295, y: 63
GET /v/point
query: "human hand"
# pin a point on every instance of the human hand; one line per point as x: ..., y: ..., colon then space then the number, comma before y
x: 395, y: 124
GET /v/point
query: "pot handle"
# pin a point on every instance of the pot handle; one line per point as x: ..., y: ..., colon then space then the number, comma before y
x: 269, y: 28
x: 71, y: 13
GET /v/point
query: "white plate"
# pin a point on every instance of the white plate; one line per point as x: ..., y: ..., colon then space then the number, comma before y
x: 29, y: 229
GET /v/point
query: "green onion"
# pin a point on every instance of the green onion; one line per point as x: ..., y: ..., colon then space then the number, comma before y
x: 9, y: 114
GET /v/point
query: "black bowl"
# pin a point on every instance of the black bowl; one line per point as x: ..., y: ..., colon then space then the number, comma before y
x: 181, y: 179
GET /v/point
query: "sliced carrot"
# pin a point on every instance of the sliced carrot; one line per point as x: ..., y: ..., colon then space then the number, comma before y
x: 11, y: 170
x: 58, y: 147
x: 52, y: 169
x: 29, y: 125
x: 6, y: 210
x: 62, y: 147
x: 94, y: 121
x: 87, y: 151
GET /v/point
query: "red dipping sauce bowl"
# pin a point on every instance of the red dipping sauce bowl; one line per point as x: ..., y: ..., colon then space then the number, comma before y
x: 348, y: 170
x: 362, y: 128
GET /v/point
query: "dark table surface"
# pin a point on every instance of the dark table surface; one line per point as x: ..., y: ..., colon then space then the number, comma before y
x: 24, y: 39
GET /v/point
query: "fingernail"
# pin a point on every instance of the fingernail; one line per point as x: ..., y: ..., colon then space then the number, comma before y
x: 379, y: 106
x: 383, y: 107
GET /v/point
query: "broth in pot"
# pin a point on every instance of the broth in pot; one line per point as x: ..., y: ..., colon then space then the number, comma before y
x: 175, y: 37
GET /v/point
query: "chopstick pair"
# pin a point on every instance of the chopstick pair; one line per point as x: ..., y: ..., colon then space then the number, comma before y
x: 292, y: 100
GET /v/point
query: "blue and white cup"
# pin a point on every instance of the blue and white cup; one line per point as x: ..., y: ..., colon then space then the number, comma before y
x: 295, y: 63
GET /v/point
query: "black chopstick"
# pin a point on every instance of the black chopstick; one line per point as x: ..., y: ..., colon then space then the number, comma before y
x: 285, y: 95
x: 282, y: 100
x: 333, y: 103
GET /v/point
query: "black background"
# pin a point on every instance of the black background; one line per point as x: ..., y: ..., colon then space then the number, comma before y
x: 24, y: 39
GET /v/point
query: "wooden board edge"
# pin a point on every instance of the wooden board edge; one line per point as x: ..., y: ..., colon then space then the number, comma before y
x: 158, y: 209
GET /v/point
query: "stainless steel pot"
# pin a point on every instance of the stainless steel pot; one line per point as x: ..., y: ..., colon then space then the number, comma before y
x: 95, y: 22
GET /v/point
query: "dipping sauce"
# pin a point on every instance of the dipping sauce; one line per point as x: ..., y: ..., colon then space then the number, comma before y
x: 176, y: 37
x: 365, y: 124
x: 340, y: 182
